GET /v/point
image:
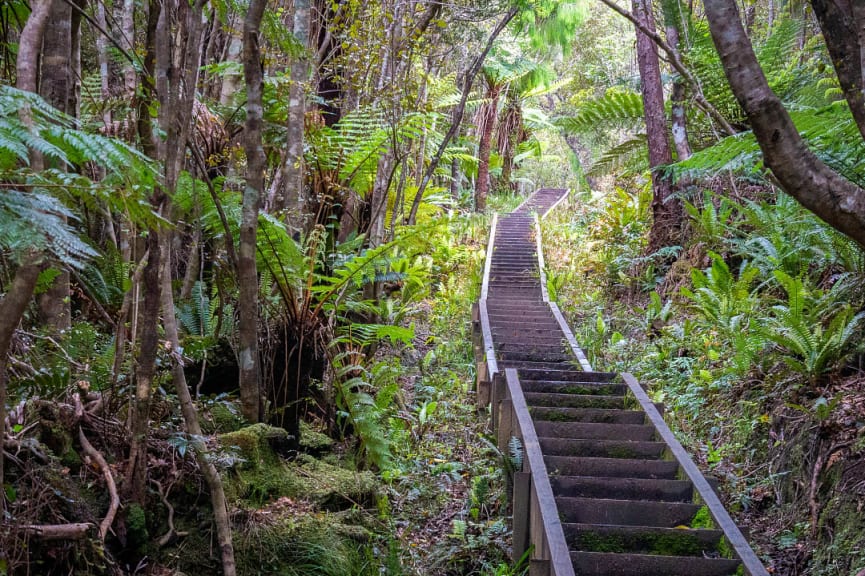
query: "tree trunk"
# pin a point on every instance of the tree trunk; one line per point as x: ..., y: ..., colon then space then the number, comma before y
x: 666, y: 212
x: 800, y: 173
x: 231, y: 81
x: 135, y: 487
x: 190, y: 417
x: 457, y: 116
x: 250, y: 386
x: 293, y: 170
x: 104, y: 64
x: 12, y: 308
x: 488, y: 116
x: 127, y: 40
x: 30, y: 45
x: 14, y: 303
x: 56, y: 86
x: 677, y: 96
x: 842, y: 23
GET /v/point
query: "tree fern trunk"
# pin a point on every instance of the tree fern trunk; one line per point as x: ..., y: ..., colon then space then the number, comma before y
x: 488, y: 115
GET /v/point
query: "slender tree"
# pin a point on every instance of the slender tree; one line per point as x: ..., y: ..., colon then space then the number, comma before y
x: 250, y: 385
x: 666, y: 211
x: 14, y: 302
x: 293, y: 165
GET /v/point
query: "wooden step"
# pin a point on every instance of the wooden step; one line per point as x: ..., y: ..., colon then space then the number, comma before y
x: 642, y: 540
x: 566, y: 387
x: 612, y: 467
x: 611, y: 564
x: 557, y: 400
x: 595, y: 430
x: 626, y: 512
x: 602, y: 448
x: 623, y: 488
x: 598, y: 415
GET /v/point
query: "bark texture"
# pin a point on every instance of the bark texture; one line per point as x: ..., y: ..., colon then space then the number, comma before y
x: 57, y: 87
x: 843, y: 25
x: 250, y: 386
x: 836, y: 200
x: 293, y: 170
x: 678, y: 117
x: 666, y: 212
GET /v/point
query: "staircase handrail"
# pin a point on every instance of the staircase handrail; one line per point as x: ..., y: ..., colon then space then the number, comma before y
x: 743, y: 550
x: 538, y: 525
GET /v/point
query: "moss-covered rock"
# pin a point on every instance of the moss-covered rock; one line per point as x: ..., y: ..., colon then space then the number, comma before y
x: 261, y: 474
x: 313, y: 441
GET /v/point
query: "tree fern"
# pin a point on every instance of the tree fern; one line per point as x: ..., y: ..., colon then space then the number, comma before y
x: 37, y: 221
x: 626, y: 158
x: 616, y: 109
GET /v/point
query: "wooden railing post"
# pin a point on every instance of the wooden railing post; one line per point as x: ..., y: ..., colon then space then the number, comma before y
x: 497, y: 394
x: 521, y: 514
x: 482, y: 384
x: 506, y: 424
x: 477, y: 336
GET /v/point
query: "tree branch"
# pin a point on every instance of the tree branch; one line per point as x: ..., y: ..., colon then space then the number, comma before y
x: 676, y: 63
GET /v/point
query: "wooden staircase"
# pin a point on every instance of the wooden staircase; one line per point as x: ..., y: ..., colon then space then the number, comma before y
x: 605, y: 488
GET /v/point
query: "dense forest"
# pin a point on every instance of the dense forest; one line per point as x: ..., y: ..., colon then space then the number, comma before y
x: 240, y: 241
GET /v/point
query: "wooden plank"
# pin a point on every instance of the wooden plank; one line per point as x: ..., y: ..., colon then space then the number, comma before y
x: 522, y: 494
x: 557, y: 203
x: 569, y: 336
x: 554, y: 537
x: 506, y: 424
x: 539, y: 568
x: 750, y: 562
x: 485, y: 285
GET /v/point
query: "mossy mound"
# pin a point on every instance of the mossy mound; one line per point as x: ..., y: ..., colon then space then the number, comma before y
x: 260, y: 474
x: 221, y: 417
x: 313, y: 441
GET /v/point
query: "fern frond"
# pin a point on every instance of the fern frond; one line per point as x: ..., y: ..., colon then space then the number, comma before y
x: 616, y: 109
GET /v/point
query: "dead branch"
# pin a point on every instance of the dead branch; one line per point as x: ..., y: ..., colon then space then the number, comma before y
x: 172, y: 532
x: 97, y: 457
x: 74, y: 531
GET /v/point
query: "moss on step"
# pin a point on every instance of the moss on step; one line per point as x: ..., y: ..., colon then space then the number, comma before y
x: 702, y: 519
x: 681, y: 543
